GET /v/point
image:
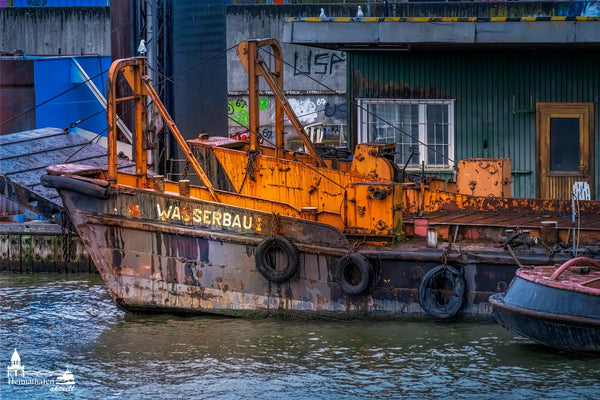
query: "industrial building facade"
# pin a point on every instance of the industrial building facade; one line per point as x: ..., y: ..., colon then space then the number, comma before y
x: 539, y: 108
x: 449, y: 88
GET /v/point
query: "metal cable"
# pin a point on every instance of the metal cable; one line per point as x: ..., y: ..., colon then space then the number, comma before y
x: 85, y: 145
x: 52, y: 98
x: 74, y: 124
x: 194, y: 95
x: 94, y: 138
x: 221, y: 112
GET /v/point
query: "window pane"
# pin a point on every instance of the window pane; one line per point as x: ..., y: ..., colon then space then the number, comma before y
x: 402, y: 121
x: 564, y: 144
x: 395, y: 123
x: 407, y: 134
x: 437, y: 135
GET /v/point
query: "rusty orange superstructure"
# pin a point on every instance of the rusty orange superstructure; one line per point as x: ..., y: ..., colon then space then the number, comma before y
x: 359, y: 197
x: 364, y: 196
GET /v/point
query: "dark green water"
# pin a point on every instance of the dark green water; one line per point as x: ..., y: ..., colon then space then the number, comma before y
x: 56, y: 322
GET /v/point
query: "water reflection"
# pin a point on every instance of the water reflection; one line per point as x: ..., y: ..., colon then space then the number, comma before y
x: 113, y: 355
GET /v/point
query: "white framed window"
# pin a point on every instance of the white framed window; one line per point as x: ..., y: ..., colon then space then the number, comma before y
x: 424, y: 125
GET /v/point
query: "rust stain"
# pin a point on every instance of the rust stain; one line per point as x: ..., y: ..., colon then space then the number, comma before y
x: 134, y: 210
x: 200, y: 293
x: 186, y: 214
x: 321, y: 302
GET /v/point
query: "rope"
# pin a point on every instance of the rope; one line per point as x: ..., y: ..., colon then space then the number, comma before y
x: 445, y: 254
x: 514, y: 256
x: 250, y: 167
x: 164, y: 78
x: 274, y: 224
x: 198, y: 63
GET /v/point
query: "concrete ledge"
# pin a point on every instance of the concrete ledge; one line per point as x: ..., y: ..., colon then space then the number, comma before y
x: 371, y: 33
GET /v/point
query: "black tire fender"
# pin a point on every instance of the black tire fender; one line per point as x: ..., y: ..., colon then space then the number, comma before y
x: 432, y: 285
x: 266, y: 259
x: 74, y: 185
x: 354, y: 273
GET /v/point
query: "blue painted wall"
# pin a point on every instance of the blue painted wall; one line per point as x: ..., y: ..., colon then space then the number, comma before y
x: 55, y: 75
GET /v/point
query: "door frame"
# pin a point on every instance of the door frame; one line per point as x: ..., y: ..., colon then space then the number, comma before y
x: 546, y: 109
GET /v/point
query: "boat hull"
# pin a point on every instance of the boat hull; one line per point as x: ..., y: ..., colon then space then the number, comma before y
x: 160, y: 252
x: 562, y: 319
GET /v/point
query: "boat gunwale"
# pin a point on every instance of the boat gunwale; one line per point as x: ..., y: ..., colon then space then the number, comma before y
x: 565, y: 284
x: 497, y: 301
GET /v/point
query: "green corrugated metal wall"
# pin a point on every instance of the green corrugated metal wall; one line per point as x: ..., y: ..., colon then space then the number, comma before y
x: 483, y: 83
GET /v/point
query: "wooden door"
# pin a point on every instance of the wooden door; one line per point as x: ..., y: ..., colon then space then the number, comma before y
x: 564, y: 133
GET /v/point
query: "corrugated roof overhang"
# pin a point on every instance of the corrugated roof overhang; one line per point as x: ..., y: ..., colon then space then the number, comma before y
x: 402, y: 33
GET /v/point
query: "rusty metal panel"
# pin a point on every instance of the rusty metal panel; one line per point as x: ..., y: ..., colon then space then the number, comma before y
x: 372, y: 209
x: 17, y: 95
x: 56, y: 254
x: 484, y: 177
x: 41, y: 250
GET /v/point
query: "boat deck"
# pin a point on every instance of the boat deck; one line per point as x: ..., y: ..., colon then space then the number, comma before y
x: 525, y: 220
x: 494, y: 225
x: 26, y: 155
x: 576, y: 275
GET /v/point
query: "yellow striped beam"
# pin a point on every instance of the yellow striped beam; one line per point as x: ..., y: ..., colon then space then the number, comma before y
x: 442, y: 19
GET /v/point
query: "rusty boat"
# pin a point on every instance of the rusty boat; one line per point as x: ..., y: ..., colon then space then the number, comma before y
x: 265, y: 230
x: 557, y: 307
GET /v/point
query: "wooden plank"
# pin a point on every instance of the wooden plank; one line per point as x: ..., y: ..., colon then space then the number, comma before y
x: 14, y: 258
x: 57, y: 252
x: 4, y: 253
x: 51, y: 261
x: 80, y: 261
x: 26, y: 254
x: 42, y: 254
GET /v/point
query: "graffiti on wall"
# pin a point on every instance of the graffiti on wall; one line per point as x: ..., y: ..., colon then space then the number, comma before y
x: 321, y: 63
x: 336, y: 110
x: 567, y: 9
x: 238, y: 109
x: 305, y: 109
x: 325, y: 117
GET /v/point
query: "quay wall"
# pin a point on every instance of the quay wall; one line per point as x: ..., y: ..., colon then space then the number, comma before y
x: 29, y: 248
